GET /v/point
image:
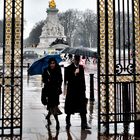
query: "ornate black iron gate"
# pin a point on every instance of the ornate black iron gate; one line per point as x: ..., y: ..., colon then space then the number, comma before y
x: 119, y: 63
x: 11, y: 80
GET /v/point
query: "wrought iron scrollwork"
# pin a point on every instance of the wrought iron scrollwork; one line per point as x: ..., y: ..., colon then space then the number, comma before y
x: 130, y: 68
x: 119, y: 61
x: 119, y: 69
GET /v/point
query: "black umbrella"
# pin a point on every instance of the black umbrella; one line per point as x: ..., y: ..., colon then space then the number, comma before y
x: 66, y: 50
x: 59, y: 46
x: 82, y: 51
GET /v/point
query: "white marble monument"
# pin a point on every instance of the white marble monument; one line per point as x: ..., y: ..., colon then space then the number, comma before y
x: 52, y: 28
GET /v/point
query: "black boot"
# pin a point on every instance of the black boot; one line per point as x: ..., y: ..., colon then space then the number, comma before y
x: 57, y: 122
x: 68, y: 124
x: 48, y: 119
x: 57, y: 126
x: 84, y: 124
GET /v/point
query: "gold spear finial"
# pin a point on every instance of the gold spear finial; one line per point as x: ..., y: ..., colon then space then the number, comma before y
x: 52, y: 4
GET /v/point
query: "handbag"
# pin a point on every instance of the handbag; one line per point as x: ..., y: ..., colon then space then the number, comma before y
x: 44, y: 98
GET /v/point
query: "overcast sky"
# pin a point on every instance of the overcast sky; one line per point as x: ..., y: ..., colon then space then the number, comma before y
x: 35, y: 10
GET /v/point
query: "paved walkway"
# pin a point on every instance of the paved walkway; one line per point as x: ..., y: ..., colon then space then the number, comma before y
x: 34, y: 123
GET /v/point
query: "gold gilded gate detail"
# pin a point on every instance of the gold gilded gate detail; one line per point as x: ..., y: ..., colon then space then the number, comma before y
x: 12, y: 94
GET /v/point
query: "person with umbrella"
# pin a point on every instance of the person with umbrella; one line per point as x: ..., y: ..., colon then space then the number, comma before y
x: 76, y: 100
x: 70, y: 57
x: 52, y: 79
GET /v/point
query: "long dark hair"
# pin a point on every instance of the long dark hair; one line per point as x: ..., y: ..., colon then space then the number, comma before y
x: 56, y: 64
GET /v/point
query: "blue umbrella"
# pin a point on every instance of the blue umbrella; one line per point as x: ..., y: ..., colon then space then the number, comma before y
x: 39, y: 65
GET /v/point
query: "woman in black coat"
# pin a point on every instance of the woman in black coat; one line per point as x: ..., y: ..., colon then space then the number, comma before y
x: 75, y: 98
x: 52, y: 79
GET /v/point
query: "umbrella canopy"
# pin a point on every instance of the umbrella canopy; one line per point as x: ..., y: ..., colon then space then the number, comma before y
x: 39, y: 65
x: 82, y: 51
x: 59, y: 46
x: 66, y: 50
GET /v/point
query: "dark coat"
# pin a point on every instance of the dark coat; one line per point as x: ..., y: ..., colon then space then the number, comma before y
x: 75, y: 97
x: 52, y: 80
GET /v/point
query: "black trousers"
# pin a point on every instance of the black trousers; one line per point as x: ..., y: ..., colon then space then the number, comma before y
x: 83, y: 119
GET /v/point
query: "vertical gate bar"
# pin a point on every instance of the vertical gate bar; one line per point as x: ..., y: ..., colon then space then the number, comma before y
x: 134, y: 77
x: 9, y: 96
x: 125, y: 103
x: 136, y: 24
x: 7, y: 75
x: 130, y: 96
x: 12, y: 64
x: 128, y: 32
x: 18, y: 66
x: 132, y: 107
x: 131, y: 99
x: 133, y: 30
x: 119, y: 32
x: 107, y: 65
x: 120, y: 101
x: 22, y: 25
x: 4, y: 34
x: 102, y: 62
x: 98, y: 49
x: 132, y: 88
x: 0, y: 102
x: 116, y: 98
x: 123, y: 84
x: 111, y: 58
x: 114, y: 41
x: 123, y: 11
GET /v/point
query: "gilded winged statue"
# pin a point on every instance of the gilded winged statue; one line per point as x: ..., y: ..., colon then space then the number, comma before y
x: 52, y: 4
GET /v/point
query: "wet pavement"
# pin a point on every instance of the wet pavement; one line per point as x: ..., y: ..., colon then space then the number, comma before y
x: 34, y: 123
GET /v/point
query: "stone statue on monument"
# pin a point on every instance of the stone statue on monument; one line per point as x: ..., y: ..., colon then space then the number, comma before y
x: 52, y: 28
x: 52, y: 4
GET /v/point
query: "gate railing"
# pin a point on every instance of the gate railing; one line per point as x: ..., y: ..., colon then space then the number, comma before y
x: 11, y: 96
x: 118, y: 63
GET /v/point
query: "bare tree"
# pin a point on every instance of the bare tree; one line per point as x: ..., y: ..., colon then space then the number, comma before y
x: 70, y: 20
x: 88, y: 29
x: 34, y: 35
x: 80, y: 28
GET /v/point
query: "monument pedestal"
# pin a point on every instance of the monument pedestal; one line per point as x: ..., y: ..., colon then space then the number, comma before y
x: 51, y: 30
